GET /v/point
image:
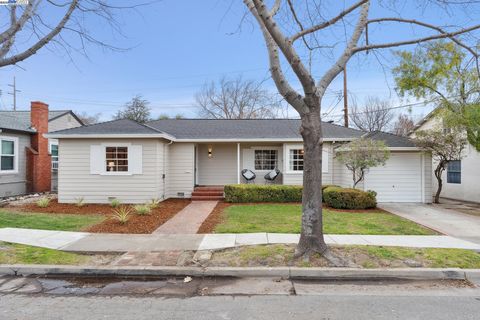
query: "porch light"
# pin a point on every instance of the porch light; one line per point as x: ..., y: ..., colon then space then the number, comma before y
x: 209, y: 151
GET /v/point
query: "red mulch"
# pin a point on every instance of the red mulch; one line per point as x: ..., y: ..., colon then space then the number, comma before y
x: 215, y: 217
x: 136, y: 224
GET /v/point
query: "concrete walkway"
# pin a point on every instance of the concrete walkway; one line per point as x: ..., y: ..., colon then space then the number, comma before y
x: 446, y: 221
x: 189, y: 219
x: 91, y: 242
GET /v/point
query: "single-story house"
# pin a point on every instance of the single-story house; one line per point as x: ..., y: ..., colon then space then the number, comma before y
x: 169, y: 158
x: 29, y: 161
x: 461, y: 179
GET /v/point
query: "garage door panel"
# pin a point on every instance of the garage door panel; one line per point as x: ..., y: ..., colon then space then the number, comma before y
x: 400, y: 180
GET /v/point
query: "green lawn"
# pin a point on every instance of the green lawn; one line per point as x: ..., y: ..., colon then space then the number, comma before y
x: 20, y: 254
x: 361, y: 256
x: 65, y: 222
x: 286, y: 218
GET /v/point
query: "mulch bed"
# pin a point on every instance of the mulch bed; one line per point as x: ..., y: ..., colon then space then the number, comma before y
x: 136, y: 224
x: 215, y: 217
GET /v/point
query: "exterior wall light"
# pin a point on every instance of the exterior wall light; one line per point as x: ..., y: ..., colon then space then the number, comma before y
x: 210, y: 151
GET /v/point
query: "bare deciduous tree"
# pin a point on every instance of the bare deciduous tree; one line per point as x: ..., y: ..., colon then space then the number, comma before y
x: 292, y: 28
x: 404, y: 125
x: 236, y: 99
x: 87, y: 118
x: 375, y: 115
x: 136, y: 109
x: 32, y: 26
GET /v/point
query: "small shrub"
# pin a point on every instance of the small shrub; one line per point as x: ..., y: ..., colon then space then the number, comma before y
x: 80, y: 202
x: 154, y: 203
x: 115, y: 203
x: 347, y: 198
x: 143, y: 209
x: 262, y: 193
x: 43, y: 202
x: 122, y: 214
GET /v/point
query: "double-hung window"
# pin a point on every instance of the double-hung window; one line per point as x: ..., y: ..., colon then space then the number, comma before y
x: 54, y: 155
x: 266, y: 159
x: 8, y: 155
x: 116, y: 159
x: 454, y: 172
x: 295, y: 160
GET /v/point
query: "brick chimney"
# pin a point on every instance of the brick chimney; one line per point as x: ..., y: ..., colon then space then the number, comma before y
x: 39, y: 172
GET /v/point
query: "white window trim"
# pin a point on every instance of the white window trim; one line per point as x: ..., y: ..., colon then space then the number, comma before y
x: 286, y: 157
x: 50, y: 143
x: 266, y: 148
x: 15, y: 155
x: 104, y: 171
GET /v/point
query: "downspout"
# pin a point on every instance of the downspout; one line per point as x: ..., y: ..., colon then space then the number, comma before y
x: 164, y: 168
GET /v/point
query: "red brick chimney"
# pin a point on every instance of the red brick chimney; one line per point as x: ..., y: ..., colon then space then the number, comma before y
x: 39, y: 172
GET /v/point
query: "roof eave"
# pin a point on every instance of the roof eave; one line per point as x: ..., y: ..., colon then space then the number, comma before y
x: 109, y: 135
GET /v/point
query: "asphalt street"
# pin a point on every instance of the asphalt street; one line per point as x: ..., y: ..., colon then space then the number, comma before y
x: 249, y: 298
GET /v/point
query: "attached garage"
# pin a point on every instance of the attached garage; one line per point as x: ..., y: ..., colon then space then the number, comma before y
x: 400, y: 180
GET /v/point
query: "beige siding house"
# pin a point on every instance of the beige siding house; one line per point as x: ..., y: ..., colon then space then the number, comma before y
x: 461, y: 178
x: 169, y: 158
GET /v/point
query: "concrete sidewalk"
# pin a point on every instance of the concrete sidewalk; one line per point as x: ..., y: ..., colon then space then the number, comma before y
x: 91, y: 242
x: 446, y: 221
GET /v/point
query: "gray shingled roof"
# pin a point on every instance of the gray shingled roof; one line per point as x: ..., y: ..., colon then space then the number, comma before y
x: 20, y: 120
x: 123, y: 126
x: 245, y: 129
x: 391, y: 140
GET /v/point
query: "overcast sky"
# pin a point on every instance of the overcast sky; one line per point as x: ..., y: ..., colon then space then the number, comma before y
x: 175, y: 47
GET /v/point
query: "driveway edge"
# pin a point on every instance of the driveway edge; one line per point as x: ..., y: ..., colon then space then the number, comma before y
x: 281, y: 272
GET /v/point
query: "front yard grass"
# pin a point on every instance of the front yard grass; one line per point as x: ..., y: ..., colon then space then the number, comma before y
x: 65, y: 222
x: 286, y: 218
x: 21, y: 254
x: 361, y: 256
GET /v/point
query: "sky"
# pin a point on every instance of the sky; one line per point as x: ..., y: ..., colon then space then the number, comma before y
x: 175, y: 47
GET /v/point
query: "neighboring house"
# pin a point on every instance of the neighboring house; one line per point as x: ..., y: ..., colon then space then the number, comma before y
x: 461, y: 178
x: 169, y: 158
x: 29, y: 161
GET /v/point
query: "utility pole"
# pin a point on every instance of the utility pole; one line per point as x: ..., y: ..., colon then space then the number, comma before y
x: 345, y: 97
x: 14, y: 93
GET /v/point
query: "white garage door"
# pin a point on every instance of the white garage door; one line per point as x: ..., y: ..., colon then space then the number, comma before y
x: 400, y: 180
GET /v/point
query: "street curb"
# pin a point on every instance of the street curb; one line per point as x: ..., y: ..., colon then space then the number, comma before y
x: 281, y: 272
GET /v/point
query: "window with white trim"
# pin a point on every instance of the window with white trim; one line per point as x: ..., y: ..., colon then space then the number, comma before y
x: 7, y: 155
x: 454, y: 172
x: 295, y: 160
x: 54, y: 155
x: 116, y: 159
x: 266, y: 159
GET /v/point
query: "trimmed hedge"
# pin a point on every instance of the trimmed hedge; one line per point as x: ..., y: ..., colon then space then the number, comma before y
x: 347, y: 198
x: 262, y: 193
x: 333, y: 196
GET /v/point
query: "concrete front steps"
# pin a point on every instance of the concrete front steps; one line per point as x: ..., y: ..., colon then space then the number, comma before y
x: 207, y: 193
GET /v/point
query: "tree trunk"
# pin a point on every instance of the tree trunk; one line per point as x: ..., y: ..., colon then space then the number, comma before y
x: 311, y: 238
x: 438, y: 174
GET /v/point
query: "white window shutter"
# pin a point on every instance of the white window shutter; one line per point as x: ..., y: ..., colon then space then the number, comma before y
x: 325, y: 161
x: 135, y: 159
x: 97, y: 159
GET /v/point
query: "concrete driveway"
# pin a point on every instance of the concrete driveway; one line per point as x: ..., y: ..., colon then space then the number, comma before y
x: 446, y: 221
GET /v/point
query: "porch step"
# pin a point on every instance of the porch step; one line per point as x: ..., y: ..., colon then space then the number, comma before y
x: 207, y: 193
x: 209, y: 188
x: 206, y: 198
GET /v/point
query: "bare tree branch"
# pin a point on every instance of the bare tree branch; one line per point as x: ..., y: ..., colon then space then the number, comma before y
x: 328, y: 23
x: 417, y: 40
